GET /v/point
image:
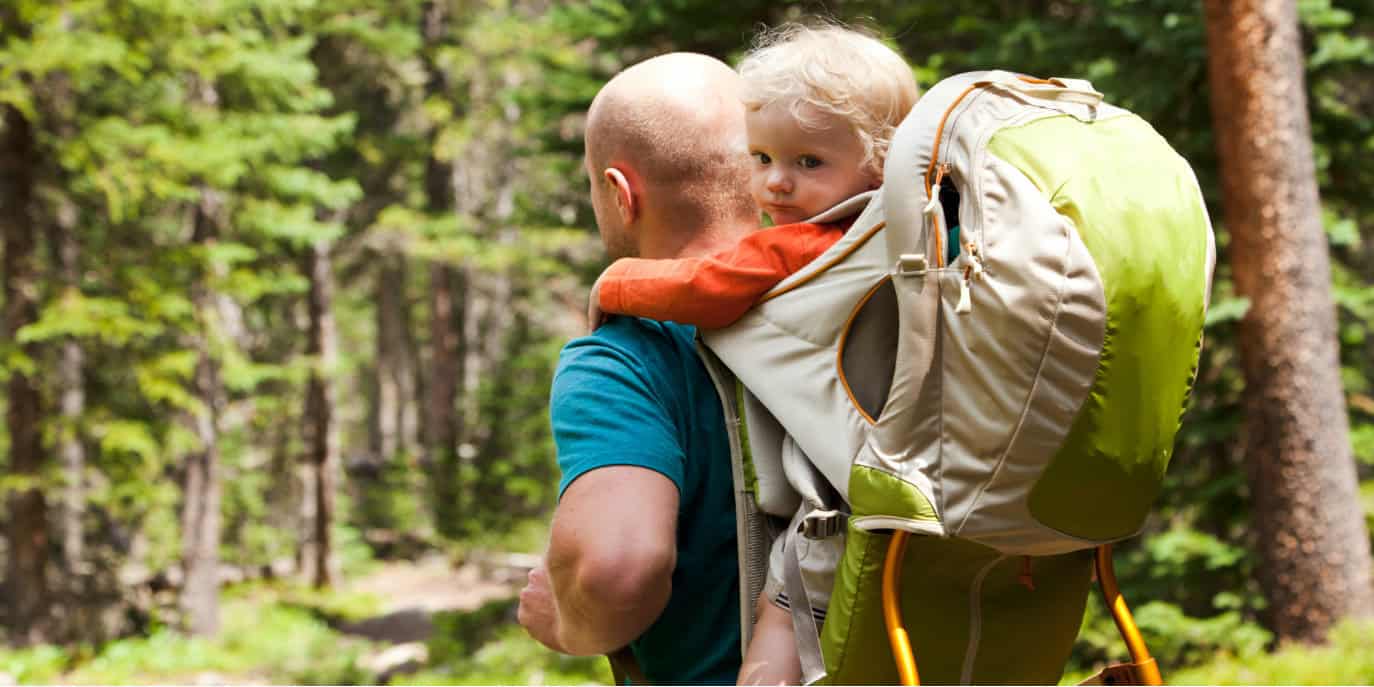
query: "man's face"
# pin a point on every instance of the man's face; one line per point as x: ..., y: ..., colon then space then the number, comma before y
x: 799, y: 171
x: 614, y: 235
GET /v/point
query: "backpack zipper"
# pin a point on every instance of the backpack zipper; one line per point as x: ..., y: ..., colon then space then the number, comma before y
x: 973, y: 271
x: 939, y: 171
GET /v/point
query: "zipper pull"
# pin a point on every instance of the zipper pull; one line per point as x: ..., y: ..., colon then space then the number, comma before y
x: 973, y: 269
x: 934, y: 202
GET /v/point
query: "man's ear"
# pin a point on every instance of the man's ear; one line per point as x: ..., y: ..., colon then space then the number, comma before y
x: 625, y: 200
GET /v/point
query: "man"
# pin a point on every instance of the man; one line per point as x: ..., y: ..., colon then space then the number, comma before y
x: 643, y: 545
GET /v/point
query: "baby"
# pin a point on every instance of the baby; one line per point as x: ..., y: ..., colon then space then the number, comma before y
x: 822, y: 103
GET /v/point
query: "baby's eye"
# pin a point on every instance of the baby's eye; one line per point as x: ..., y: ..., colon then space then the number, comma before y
x: 763, y: 158
x: 809, y: 161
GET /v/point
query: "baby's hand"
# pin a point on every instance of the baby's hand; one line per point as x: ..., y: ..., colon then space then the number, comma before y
x: 595, y: 318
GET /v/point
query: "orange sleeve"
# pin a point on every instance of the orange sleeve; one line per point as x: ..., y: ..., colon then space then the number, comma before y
x: 713, y: 291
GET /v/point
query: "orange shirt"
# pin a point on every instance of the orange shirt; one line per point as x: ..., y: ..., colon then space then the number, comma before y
x: 715, y: 290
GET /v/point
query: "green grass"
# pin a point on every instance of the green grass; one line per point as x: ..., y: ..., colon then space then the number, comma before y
x: 269, y: 642
x: 1347, y: 660
x: 510, y: 657
x: 264, y: 637
x: 280, y: 634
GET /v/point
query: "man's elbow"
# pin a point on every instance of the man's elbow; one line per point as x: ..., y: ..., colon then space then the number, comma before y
x: 628, y: 579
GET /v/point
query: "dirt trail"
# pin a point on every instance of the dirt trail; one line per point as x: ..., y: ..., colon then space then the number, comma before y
x: 433, y: 584
x: 412, y: 592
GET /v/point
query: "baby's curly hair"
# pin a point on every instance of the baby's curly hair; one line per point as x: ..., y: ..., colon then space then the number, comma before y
x: 836, y: 70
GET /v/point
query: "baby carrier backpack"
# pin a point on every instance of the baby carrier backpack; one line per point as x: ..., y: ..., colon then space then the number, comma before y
x: 986, y: 372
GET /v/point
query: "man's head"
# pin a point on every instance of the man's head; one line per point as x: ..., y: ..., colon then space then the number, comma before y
x: 666, y: 157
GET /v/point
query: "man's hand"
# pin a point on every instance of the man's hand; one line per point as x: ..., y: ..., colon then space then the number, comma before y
x: 538, y: 613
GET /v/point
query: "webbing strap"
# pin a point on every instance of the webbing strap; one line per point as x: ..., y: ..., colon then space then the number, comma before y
x: 625, y: 668
x: 808, y: 636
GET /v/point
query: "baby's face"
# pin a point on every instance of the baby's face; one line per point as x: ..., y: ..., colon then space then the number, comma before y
x: 799, y: 171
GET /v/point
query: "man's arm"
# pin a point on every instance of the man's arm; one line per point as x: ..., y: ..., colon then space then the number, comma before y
x: 611, y: 556
x: 613, y: 544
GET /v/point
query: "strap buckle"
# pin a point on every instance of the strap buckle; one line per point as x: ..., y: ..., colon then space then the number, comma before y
x: 912, y: 264
x: 822, y: 524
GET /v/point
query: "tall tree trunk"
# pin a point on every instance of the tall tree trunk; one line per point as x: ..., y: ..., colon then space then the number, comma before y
x: 200, y: 524
x: 319, y: 410
x: 448, y: 299
x: 395, y: 421
x: 1313, y: 542
x: 26, y: 583
x: 448, y: 294
x: 71, y: 401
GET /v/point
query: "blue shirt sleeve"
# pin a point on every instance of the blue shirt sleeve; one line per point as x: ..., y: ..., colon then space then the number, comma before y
x: 606, y: 409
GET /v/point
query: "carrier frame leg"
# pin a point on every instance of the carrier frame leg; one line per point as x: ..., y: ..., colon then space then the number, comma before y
x: 1142, y: 670
x: 892, y: 609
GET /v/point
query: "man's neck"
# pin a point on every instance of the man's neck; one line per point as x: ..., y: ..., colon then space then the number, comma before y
x: 707, y: 240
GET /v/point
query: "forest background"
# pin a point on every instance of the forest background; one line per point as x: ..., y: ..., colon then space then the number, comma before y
x: 285, y: 281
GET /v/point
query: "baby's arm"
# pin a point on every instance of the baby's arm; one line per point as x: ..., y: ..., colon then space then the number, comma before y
x: 772, y: 656
x: 711, y: 291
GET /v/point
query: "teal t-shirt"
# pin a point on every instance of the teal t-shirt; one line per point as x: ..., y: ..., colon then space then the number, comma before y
x: 635, y: 393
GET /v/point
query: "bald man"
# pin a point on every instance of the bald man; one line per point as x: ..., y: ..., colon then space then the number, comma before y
x: 643, y: 545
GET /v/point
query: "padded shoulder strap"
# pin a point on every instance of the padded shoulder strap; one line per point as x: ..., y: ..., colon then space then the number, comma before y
x: 845, y: 208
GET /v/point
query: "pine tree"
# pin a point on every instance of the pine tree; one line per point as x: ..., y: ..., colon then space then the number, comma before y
x: 1313, y: 542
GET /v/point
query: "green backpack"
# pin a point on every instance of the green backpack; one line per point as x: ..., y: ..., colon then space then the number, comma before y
x: 992, y: 364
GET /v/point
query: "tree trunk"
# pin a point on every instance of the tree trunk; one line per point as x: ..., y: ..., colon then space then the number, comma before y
x: 395, y: 422
x: 319, y: 411
x: 447, y: 298
x: 71, y: 401
x: 200, y: 524
x: 1315, y: 557
x: 26, y: 584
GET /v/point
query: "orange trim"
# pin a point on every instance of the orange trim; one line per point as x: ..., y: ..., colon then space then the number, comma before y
x: 833, y: 261
x: 1047, y: 82
x: 844, y: 336
x: 892, y: 610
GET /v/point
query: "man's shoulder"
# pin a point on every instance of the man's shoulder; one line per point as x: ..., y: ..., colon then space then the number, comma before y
x: 631, y: 341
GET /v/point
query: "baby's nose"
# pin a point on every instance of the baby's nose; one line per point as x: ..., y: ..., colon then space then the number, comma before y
x: 779, y: 182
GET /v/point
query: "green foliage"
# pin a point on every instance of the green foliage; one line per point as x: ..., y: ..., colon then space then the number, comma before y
x: 483, y: 647
x: 39, y: 665
x: 329, y: 605
x: 511, y: 657
x: 1347, y: 661
x: 262, y: 640
x: 528, y: 535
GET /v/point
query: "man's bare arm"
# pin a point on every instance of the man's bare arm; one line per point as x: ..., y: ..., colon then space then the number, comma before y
x: 611, y: 556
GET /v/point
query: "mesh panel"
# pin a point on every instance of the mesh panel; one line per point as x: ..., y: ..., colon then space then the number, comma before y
x: 756, y: 547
